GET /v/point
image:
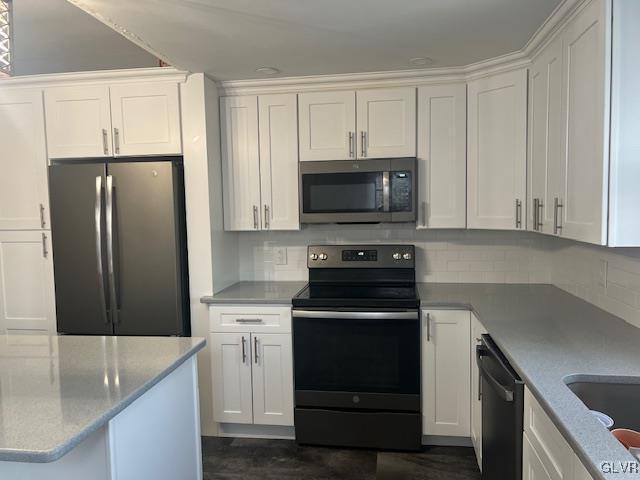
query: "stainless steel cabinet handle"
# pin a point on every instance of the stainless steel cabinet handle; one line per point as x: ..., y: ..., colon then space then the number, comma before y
x: 98, y: 221
x: 424, y: 214
x: 557, y: 205
x: 244, y: 352
x: 478, y: 340
x: 248, y: 320
x: 43, y: 224
x: 113, y: 299
x: 267, y: 223
x: 45, y: 252
x: 428, y: 327
x: 363, y: 143
x: 518, y: 213
x: 539, y: 215
x: 535, y: 213
x: 351, y: 144
x: 255, y: 217
x: 255, y: 349
x: 116, y: 139
x: 105, y: 144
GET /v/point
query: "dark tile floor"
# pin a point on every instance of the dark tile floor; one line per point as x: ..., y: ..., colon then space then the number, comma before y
x: 254, y: 459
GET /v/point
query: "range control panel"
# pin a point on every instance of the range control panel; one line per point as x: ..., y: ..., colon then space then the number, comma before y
x: 361, y: 256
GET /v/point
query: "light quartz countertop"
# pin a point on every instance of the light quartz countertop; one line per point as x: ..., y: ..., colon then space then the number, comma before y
x: 552, y: 337
x: 56, y: 390
x: 277, y: 293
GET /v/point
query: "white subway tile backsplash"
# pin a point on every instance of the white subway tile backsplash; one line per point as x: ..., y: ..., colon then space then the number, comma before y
x: 608, y: 278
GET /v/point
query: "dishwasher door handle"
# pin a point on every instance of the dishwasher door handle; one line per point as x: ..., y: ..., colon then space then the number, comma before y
x: 504, y: 393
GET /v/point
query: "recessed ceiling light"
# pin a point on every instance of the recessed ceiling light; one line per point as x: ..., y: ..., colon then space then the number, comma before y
x: 268, y: 70
x: 421, y: 61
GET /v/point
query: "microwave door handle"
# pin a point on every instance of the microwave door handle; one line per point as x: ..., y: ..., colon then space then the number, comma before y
x: 386, y: 204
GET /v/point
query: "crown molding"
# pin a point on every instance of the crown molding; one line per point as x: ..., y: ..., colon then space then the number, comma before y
x: 133, y: 75
x: 414, y: 77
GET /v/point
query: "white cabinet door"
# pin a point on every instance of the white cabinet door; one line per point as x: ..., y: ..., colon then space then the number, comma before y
x: 27, y: 296
x: 278, y: 121
x: 446, y: 373
x: 584, y: 214
x: 240, y: 162
x: 545, y: 138
x: 146, y: 119
x: 497, y: 151
x: 231, y: 367
x: 78, y: 121
x: 532, y: 467
x: 272, y: 379
x: 477, y: 330
x: 327, y: 125
x: 579, y: 470
x: 24, y: 198
x: 442, y: 156
x: 386, y: 120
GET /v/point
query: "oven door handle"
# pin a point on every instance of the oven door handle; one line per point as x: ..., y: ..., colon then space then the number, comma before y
x: 408, y: 315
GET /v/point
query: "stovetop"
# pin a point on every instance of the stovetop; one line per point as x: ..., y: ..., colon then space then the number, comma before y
x: 358, y: 296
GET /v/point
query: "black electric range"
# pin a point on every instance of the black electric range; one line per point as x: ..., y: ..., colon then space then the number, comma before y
x: 356, y: 336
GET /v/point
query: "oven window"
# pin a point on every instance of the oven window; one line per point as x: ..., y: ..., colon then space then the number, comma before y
x: 372, y: 356
x: 342, y: 192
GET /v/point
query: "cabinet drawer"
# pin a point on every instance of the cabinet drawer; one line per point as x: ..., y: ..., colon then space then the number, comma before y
x: 555, y: 453
x: 250, y: 318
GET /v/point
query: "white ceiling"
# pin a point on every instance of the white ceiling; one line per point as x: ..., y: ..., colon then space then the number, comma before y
x: 229, y: 39
x: 52, y: 36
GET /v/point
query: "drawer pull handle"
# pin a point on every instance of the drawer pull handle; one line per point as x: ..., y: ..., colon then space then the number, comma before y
x: 248, y: 320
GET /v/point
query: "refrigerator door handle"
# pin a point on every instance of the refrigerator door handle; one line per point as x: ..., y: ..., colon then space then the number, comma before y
x: 110, y: 261
x: 98, y: 220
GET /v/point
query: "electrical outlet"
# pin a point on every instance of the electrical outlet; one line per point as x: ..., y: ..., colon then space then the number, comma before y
x: 280, y: 255
x: 602, y: 274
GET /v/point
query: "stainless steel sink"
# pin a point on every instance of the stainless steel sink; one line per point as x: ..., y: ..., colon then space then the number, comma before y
x: 621, y: 401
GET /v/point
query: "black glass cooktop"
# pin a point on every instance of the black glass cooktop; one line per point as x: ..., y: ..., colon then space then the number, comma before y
x: 358, y: 296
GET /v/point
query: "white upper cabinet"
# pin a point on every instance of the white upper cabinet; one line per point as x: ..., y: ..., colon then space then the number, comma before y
x: 442, y: 156
x: 78, y: 121
x: 584, y: 211
x: 24, y: 198
x: 545, y: 139
x: 327, y: 125
x: 384, y: 126
x: 240, y: 162
x: 27, y: 302
x: 260, y: 162
x: 386, y: 122
x: 146, y: 119
x: 497, y: 151
x: 446, y: 373
x: 272, y: 374
x: 278, y: 127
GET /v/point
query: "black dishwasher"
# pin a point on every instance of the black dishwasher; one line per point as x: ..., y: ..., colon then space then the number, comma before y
x: 502, y: 410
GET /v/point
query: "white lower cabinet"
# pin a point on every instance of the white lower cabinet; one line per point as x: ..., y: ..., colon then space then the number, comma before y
x: 446, y: 373
x: 252, y: 370
x: 27, y: 294
x: 477, y: 330
x: 545, y: 452
x: 272, y: 370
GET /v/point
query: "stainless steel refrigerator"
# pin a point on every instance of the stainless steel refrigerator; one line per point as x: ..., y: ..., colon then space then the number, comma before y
x: 119, y: 246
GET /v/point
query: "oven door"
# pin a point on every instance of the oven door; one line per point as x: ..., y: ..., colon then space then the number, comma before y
x: 364, y: 191
x: 357, y: 359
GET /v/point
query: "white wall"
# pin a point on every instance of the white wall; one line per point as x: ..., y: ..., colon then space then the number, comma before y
x: 442, y: 256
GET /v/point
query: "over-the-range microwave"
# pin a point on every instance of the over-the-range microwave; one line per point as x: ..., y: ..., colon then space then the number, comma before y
x: 358, y: 191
